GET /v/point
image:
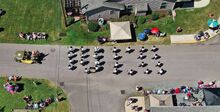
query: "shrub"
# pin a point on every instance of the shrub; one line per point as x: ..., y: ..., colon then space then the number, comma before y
x: 141, y: 20
x: 92, y: 26
x: 155, y: 16
x: 169, y: 12
x: 69, y: 20
x: 168, y: 21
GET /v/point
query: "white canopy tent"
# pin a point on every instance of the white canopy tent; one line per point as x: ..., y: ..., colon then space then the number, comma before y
x: 120, y: 30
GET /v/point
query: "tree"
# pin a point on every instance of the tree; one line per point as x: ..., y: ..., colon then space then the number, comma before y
x: 92, y: 26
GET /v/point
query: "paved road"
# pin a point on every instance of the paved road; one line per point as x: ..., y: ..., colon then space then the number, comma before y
x: 101, y: 92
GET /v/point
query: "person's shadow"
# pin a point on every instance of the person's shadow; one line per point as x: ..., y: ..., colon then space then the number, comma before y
x: 41, y: 57
x: 2, y: 29
x: 2, y: 109
x: 20, y: 87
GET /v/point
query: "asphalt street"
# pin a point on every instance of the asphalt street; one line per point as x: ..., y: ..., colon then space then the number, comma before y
x: 101, y: 92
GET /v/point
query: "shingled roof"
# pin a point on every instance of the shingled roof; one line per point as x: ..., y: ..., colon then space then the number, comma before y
x: 186, y: 109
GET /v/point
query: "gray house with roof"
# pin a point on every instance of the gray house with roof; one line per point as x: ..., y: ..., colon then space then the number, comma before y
x: 104, y: 10
x: 94, y: 9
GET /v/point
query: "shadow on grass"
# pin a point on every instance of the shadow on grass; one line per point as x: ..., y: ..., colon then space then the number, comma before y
x: 2, y: 109
x: 20, y: 87
x: 2, y: 29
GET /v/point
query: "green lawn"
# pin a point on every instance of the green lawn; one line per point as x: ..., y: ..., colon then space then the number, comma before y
x: 30, y: 16
x: 191, y: 20
x: 42, y: 91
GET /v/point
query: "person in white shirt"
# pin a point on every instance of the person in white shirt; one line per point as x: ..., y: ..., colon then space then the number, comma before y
x: 71, y: 48
x: 114, y: 50
x: 147, y: 71
x: 97, y: 62
x: 116, y: 64
x: 160, y: 71
x: 115, y: 71
x: 130, y: 72
x: 116, y: 56
x: 142, y: 64
x: 142, y: 49
x: 141, y: 56
x: 156, y: 56
x: 82, y: 61
x: 154, y: 48
x: 159, y: 64
x: 128, y: 50
x: 96, y: 49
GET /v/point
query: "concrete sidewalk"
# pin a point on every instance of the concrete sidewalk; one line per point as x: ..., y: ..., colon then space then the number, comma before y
x: 189, y: 38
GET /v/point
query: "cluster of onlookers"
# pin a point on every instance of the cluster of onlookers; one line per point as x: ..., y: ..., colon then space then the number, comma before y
x: 33, y: 35
x: 30, y: 104
x: 12, y: 87
x: 201, y: 35
x: 211, y: 84
x: 188, y: 92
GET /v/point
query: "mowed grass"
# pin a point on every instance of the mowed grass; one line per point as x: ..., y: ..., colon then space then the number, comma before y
x: 43, y: 91
x: 30, y: 16
x: 191, y: 20
x: 46, y: 16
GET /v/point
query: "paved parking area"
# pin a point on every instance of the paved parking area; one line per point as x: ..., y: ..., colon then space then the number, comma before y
x: 102, y: 91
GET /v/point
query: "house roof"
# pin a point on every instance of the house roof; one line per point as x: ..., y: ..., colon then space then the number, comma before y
x: 155, y: 5
x: 161, y: 100
x: 186, y: 109
x: 212, y: 96
x: 142, y: 6
x: 120, y: 30
x: 114, y: 5
x: 183, y: 0
x: 88, y: 5
x: 131, y: 2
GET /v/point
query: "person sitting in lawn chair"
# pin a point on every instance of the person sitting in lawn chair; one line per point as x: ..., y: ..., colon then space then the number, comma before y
x: 14, y: 78
x: 162, y: 34
x: 10, y: 88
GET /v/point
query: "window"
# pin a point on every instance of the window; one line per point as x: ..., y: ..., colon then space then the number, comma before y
x: 163, y: 5
x: 112, y: 12
x: 130, y: 7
